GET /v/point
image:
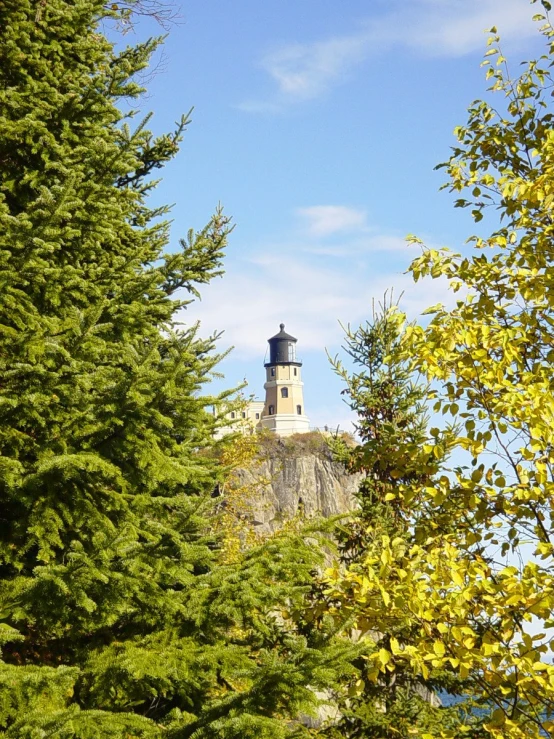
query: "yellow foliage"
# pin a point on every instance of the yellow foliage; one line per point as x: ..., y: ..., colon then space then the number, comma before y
x: 241, y: 496
x: 476, y: 585
x: 234, y: 519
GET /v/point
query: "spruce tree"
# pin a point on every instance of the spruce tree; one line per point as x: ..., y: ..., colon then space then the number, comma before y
x: 117, y: 617
x: 392, y: 428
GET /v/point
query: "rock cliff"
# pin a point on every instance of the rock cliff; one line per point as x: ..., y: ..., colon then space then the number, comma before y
x: 298, y: 473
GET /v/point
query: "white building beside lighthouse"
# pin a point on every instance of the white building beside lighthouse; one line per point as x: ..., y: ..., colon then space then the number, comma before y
x: 282, y: 411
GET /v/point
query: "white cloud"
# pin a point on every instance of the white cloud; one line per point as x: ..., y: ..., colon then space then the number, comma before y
x: 329, y: 271
x: 309, y: 297
x: 304, y: 71
x: 447, y: 28
x: 340, y: 230
x: 456, y: 27
x: 324, y: 220
x: 359, y: 245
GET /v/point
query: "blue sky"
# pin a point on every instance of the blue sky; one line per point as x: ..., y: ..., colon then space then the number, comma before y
x: 317, y: 125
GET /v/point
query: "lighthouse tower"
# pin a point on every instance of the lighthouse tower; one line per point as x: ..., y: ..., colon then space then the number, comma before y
x: 284, y: 400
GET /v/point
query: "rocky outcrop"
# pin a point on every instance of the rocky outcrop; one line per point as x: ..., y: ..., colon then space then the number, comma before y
x: 291, y: 477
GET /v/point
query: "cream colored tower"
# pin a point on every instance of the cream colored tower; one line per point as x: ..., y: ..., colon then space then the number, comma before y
x: 284, y: 398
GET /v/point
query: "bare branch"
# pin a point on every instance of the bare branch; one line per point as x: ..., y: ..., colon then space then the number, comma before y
x: 164, y: 12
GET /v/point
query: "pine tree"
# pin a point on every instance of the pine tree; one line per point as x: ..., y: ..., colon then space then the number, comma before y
x: 117, y: 617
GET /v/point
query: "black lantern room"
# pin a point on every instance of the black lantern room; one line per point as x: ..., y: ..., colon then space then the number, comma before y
x: 282, y: 349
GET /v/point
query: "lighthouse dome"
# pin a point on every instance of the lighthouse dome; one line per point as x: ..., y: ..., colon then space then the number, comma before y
x: 282, y: 348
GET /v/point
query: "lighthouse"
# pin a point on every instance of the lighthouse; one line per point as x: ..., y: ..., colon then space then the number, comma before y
x: 283, y: 411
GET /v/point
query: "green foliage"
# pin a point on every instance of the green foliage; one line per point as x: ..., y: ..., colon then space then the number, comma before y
x: 314, y: 443
x: 391, y: 423
x: 118, y: 616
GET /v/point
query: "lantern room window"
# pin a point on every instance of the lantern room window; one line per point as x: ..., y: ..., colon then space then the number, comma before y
x: 291, y: 352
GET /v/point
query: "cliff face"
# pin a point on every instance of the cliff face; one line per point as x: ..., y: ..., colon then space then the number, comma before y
x: 290, y: 477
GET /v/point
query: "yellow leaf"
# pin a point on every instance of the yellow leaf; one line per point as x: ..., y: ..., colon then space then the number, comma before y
x: 439, y: 649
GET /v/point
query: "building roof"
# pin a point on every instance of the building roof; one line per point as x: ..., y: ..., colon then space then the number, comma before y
x: 282, y: 335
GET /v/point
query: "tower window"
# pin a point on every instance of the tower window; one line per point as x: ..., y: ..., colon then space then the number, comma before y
x: 284, y: 392
x: 244, y: 414
x: 299, y: 410
x: 295, y: 372
x: 273, y: 371
x: 257, y: 416
x: 271, y: 410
